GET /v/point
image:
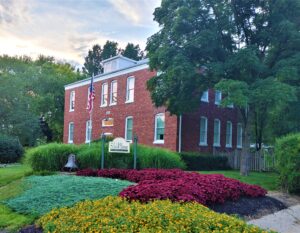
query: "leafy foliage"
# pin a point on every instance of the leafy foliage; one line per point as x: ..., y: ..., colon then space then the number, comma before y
x: 133, y: 52
x: 10, y: 149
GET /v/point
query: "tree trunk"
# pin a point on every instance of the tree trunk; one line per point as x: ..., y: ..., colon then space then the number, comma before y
x: 245, y: 166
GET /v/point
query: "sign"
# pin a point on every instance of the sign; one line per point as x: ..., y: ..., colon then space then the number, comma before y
x: 107, y: 122
x: 119, y: 145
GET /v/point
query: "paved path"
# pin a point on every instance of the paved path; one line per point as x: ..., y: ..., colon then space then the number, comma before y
x: 284, y: 221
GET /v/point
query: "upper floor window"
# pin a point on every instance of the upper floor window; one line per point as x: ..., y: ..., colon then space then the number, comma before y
x: 72, y: 101
x: 159, y: 134
x: 217, y: 132
x: 128, y: 128
x: 71, y: 132
x: 104, y: 94
x: 229, y: 134
x: 218, y: 97
x: 239, y: 141
x: 203, y: 131
x: 88, y: 131
x: 130, y: 89
x: 204, y: 96
x: 113, y: 92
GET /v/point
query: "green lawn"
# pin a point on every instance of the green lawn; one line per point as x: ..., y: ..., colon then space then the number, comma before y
x: 267, y: 180
x: 15, y: 172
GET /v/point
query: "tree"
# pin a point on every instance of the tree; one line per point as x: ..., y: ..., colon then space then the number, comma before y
x: 238, y: 47
x: 133, y: 51
x: 93, y: 60
x: 110, y: 49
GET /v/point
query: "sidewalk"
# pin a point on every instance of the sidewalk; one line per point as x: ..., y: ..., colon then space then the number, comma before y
x: 284, y: 221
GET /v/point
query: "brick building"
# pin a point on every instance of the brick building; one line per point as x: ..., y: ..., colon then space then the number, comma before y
x: 123, y: 107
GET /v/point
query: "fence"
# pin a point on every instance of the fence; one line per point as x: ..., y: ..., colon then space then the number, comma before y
x: 258, y: 160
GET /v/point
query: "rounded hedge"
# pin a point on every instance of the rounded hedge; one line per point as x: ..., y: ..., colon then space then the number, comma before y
x: 11, y: 149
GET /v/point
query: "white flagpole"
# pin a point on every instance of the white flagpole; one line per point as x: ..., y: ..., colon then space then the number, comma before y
x: 91, y: 114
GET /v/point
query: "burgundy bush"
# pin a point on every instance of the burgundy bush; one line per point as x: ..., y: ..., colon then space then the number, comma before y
x: 177, y: 185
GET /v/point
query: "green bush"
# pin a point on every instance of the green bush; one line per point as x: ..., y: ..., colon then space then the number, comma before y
x: 287, y: 152
x: 204, y: 162
x: 10, y: 149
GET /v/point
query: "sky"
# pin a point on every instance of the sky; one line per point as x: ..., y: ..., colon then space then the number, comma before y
x: 67, y: 29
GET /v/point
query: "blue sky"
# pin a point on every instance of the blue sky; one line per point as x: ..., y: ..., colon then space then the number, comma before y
x: 66, y: 29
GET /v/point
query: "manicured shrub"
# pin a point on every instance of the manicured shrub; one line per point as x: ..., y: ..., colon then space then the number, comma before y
x: 287, y: 152
x: 10, y: 149
x: 204, y: 162
x: 113, y: 214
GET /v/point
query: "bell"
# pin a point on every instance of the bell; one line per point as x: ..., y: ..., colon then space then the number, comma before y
x: 71, y: 163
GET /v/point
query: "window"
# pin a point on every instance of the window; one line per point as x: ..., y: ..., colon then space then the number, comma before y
x: 204, y: 96
x: 128, y: 128
x: 104, y: 94
x: 71, y: 132
x: 229, y: 134
x: 113, y: 92
x: 130, y: 90
x: 218, y: 97
x: 88, y: 131
x: 159, y: 128
x: 72, y: 101
x: 239, y: 142
x: 217, y: 130
x: 203, y: 131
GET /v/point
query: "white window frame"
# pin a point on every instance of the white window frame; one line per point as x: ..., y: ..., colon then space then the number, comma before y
x: 103, y: 95
x: 229, y: 134
x: 128, y: 90
x: 217, y: 144
x: 69, y: 133
x: 88, y: 130
x: 112, y: 102
x: 241, y: 135
x: 126, y: 129
x: 203, y: 143
x: 218, y: 97
x: 72, y: 101
x: 159, y: 141
x: 205, y: 96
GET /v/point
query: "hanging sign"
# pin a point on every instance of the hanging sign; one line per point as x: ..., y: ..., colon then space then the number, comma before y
x: 119, y: 145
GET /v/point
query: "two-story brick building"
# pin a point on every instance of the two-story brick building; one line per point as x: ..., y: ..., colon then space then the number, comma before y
x: 122, y: 107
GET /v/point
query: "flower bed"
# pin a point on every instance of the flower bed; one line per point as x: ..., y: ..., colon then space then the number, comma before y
x: 114, y: 214
x: 177, y: 185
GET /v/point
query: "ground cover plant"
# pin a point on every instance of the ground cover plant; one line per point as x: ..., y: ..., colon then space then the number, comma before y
x: 177, y: 185
x: 48, y: 192
x: 114, y: 214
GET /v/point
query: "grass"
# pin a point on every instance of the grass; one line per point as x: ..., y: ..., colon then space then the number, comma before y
x: 15, y: 172
x: 267, y: 180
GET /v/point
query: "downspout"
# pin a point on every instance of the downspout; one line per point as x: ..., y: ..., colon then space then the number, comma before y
x: 179, y: 136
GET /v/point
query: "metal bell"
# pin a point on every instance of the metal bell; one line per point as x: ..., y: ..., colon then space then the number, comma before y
x: 71, y: 162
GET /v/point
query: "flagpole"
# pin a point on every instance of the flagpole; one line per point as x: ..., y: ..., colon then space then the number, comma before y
x: 91, y: 114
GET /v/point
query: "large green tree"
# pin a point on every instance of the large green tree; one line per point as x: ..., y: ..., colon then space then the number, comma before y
x: 248, y: 49
x: 133, y: 51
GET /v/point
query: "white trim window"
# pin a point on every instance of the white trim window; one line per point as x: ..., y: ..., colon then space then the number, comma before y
x: 229, y: 134
x: 130, y: 89
x: 203, y: 131
x: 71, y: 132
x: 217, y: 132
x: 128, y: 128
x: 204, y: 97
x: 104, y: 94
x: 218, y: 97
x: 159, y: 130
x: 72, y: 101
x: 239, y: 141
x: 113, y: 92
x: 88, y: 131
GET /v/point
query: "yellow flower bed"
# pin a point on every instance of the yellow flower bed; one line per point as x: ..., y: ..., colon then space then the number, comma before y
x: 114, y: 214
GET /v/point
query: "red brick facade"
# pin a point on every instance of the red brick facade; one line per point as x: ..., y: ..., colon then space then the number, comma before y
x: 143, y: 114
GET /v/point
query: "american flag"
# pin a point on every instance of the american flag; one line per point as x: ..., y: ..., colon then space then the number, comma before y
x: 91, y: 96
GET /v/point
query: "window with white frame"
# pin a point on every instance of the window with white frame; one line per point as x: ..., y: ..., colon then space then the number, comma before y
x: 217, y: 132
x: 159, y: 134
x: 130, y: 89
x: 218, y: 97
x: 229, y: 134
x: 204, y: 96
x: 72, y: 101
x: 104, y: 94
x: 239, y: 141
x: 71, y: 132
x: 113, y: 92
x: 128, y: 128
x: 88, y: 131
x: 203, y: 131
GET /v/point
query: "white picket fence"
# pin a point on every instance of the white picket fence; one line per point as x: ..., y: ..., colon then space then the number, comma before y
x: 258, y: 160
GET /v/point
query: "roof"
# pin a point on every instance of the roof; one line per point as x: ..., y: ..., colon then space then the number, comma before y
x: 118, y: 56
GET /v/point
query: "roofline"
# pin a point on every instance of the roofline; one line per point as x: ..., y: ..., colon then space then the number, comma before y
x: 118, y: 56
x: 115, y: 73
